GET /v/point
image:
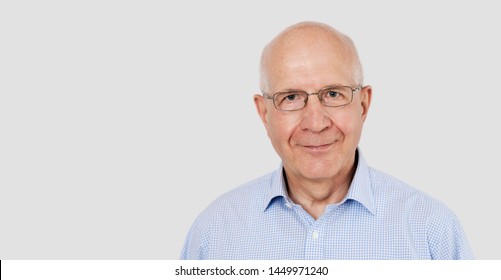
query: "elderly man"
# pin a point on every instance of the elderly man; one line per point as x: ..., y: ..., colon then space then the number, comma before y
x: 324, y: 202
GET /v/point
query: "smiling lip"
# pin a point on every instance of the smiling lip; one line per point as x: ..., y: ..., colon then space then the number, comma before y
x: 317, y: 148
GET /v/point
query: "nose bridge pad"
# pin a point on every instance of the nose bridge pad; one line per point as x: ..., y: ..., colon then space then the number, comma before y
x: 310, y: 94
x: 318, y: 96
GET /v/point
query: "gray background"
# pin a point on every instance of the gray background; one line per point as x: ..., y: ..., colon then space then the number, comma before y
x: 104, y: 154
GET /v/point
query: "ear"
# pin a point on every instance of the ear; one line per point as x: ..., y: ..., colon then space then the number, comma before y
x: 366, y: 97
x: 261, y: 108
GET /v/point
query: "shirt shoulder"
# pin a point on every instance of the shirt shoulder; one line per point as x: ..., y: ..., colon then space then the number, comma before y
x: 388, y: 189
x: 251, y: 195
x: 379, y: 191
x: 228, y: 211
x: 424, y: 213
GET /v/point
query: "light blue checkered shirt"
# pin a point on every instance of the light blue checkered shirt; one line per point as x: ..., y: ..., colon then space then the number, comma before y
x: 380, y: 218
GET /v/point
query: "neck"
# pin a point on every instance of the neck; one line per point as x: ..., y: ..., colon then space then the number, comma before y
x: 315, y: 195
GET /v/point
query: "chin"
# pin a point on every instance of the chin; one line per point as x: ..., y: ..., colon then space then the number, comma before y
x: 319, y: 170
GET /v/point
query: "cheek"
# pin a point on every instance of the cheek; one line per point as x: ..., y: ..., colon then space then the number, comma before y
x: 350, y: 124
x: 280, y: 129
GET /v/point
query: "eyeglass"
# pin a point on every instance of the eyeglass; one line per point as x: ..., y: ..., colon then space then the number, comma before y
x: 335, y: 96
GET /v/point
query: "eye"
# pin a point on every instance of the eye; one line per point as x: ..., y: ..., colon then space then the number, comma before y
x: 291, y: 97
x: 332, y: 94
x: 290, y: 100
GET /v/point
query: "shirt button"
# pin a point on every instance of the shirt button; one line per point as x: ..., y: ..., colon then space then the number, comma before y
x: 315, y: 234
x: 288, y: 205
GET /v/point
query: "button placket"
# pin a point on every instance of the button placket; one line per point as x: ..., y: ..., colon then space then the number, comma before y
x: 315, y: 245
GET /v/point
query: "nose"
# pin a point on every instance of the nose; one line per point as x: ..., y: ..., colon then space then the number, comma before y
x: 315, y: 117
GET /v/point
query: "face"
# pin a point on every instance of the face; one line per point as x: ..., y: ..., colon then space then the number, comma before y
x: 315, y: 143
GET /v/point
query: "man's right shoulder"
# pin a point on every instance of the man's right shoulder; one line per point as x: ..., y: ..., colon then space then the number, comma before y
x: 247, y: 197
x: 225, y: 218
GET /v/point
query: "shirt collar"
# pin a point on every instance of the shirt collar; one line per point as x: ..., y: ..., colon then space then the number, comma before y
x: 360, y: 188
x: 278, y: 188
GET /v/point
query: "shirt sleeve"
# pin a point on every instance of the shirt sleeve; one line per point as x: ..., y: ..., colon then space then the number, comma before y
x: 447, y: 239
x: 193, y: 248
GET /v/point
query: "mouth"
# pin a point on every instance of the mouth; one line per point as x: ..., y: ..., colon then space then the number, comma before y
x: 317, y: 148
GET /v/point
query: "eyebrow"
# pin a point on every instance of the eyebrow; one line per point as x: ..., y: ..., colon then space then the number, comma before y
x: 292, y: 89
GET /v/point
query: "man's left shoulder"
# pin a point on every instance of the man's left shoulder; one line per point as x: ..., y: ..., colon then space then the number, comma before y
x: 390, y: 191
x: 424, y: 215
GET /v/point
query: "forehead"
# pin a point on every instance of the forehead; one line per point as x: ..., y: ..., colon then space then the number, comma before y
x: 309, y: 68
x: 308, y: 62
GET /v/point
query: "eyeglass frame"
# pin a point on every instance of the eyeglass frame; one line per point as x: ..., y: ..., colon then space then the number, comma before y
x: 272, y: 97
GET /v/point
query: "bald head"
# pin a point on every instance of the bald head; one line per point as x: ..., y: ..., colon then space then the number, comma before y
x: 308, y: 40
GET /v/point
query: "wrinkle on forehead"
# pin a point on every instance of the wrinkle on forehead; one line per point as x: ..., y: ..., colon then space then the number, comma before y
x: 309, y: 39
